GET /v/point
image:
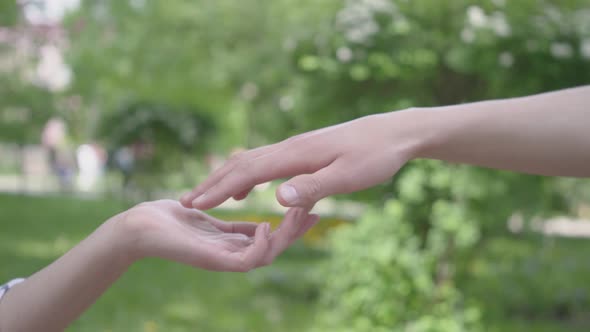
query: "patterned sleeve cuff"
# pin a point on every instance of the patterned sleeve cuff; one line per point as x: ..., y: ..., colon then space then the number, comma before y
x: 4, y: 288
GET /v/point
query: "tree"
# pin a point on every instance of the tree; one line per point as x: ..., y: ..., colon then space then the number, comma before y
x: 25, y: 104
x: 8, y: 13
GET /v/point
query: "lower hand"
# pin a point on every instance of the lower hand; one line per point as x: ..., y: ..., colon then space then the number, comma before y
x: 167, y: 230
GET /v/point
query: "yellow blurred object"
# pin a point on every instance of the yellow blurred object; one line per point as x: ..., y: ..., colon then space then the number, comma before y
x: 150, y: 326
x: 313, y: 237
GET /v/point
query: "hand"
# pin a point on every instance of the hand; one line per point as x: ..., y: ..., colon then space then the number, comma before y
x: 338, y: 159
x: 167, y: 230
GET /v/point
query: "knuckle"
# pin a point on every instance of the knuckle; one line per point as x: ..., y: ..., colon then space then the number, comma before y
x: 243, y: 165
x: 237, y: 157
x: 223, y: 194
x: 293, y: 139
x: 245, y: 177
x: 313, y: 187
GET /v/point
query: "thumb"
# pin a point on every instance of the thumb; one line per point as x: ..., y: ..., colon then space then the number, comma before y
x: 305, y: 190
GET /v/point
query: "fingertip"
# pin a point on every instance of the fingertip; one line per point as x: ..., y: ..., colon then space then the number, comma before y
x: 186, y: 199
x: 240, y: 197
x: 299, y: 218
x: 262, y: 232
x: 200, y: 202
x: 297, y: 214
x: 267, y: 230
x: 243, y: 194
x: 194, y: 204
x: 261, y: 244
x: 313, y: 218
x: 259, y: 230
x: 309, y: 222
x: 291, y: 212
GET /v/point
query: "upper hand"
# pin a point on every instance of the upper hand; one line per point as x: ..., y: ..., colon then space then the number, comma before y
x: 167, y: 230
x: 340, y: 159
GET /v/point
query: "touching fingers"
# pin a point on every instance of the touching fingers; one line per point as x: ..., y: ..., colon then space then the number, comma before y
x: 187, y: 199
x: 237, y: 177
x: 222, y: 171
x: 248, y: 173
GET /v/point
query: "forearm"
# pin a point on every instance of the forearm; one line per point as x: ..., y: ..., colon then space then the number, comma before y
x: 547, y: 134
x: 52, y: 298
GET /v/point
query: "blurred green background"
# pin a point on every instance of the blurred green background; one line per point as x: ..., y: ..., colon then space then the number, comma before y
x: 107, y: 103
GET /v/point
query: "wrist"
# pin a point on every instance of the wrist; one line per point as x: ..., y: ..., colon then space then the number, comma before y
x: 136, y: 231
x: 417, y: 130
x: 122, y: 239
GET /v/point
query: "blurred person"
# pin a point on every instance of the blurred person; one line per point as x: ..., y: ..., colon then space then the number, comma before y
x: 53, y: 135
x: 124, y: 160
x: 52, y: 298
x: 91, y: 159
x: 53, y: 138
x: 546, y: 134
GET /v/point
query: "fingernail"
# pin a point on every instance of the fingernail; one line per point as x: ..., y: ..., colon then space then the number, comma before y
x: 198, y: 200
x: 185, y: 197
x: 289, y: 194
x: 267, y: 230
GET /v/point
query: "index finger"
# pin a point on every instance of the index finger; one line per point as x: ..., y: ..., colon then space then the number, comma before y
x: 220, y: 172
x: 282, y: 161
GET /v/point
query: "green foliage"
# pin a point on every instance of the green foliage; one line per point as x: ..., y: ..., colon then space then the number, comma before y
x: 25, y: 107
x: 8, y: 13
x: 24, y: 110
x: 382, y: 277
x: 485, y: 198
x: 395, y: 268
x: 222, y: 58
x: 163, y: 138
x: 157, y: 124
x: 528, y: 276
x: 383, y: 55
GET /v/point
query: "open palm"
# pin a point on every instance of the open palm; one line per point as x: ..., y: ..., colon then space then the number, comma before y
x: 168, y: 230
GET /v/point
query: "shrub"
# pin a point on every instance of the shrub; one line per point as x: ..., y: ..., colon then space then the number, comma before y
x: 383, y: 278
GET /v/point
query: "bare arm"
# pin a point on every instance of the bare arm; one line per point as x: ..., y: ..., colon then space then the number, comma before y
x: 52, y: 298
x: 545, y: 134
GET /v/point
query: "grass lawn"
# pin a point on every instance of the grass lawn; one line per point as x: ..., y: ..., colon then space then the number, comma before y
x: 154, y: 295
x: 508, y: 274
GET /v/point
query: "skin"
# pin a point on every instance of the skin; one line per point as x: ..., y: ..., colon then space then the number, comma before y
x: 55, y: 296
x: 544, y: 134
